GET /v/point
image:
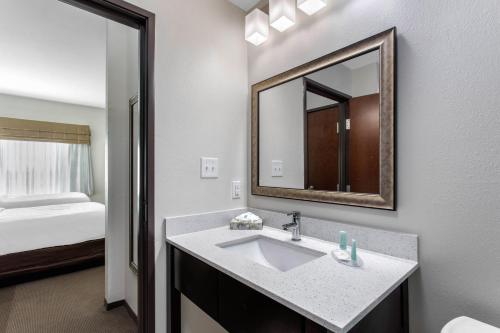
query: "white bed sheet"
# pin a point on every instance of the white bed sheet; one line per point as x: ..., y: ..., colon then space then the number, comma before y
x: 21, y: 201
x: 31, y: 228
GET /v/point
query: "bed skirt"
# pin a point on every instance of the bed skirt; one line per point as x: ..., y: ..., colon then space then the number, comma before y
x: 29, y: 265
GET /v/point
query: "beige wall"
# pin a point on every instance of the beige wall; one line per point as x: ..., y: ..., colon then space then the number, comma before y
x: 201, y: 95
x: 283, y: 104
x: 122, y: 54
x: 37, y: 109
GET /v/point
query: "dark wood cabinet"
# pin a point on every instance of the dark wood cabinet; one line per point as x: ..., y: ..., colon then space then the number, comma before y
x: 244, y: 310
x: 241, y: 309
x: 386, y: 317
x: 197, y: 281
x: 312, y: 327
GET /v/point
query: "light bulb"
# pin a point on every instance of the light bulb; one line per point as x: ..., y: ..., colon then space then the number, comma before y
x: 310, y: 7
x: 282, y: 14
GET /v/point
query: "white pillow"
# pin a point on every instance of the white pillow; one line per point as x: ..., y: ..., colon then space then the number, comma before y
x: 20, y: 201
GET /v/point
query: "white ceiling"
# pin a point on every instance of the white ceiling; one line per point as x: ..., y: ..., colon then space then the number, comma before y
x: 246, y: 5
x: 52, y: 51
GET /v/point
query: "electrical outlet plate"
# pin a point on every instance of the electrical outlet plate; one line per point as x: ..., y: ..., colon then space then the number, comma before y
x: 277, y: 168
x: 236, y: 189
x: 209, y: 167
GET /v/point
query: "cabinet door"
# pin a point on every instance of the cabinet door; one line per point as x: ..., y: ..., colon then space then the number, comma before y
x: 312, y: 327
x: 244, y: 310
x: 197, y: 281
x: 388, y: 316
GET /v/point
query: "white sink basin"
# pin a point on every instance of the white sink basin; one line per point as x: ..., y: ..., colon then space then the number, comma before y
x: 271, y: 252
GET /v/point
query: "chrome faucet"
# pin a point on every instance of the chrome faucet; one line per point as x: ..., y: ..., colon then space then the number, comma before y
x: 294, y: 226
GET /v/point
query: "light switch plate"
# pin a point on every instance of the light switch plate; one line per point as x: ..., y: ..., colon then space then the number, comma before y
x: 236, y: 189
x: 209, y: 167
x: 277, y: 168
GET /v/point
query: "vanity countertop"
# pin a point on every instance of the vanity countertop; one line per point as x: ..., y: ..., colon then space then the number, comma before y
x: 334, y: 295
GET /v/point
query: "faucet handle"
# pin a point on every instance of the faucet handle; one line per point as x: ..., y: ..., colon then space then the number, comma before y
x: 294, y: 226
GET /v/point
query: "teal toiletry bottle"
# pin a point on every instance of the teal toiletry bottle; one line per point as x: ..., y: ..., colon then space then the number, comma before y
x: 343, y: 240
x: 354, y: 254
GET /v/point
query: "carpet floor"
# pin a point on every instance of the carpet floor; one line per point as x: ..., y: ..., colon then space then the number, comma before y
x: 70, y: 303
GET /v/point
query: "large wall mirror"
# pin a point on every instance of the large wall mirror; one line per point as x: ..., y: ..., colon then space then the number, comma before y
x: 324, y: 131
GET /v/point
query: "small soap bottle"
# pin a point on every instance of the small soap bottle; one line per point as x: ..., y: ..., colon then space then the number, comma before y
x: 343, y: 240
x: 354, y: 254
x: 341, y: 253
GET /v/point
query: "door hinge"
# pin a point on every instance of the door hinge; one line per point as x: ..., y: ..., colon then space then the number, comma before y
x: 348, y: 124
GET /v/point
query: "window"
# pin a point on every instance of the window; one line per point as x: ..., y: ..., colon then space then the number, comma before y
x: 28, y: 167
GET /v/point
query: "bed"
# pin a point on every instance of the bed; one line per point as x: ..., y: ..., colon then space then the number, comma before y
x: 39, y: 234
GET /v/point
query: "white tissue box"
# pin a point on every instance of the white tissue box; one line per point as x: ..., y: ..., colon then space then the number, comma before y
x: 246, y: 221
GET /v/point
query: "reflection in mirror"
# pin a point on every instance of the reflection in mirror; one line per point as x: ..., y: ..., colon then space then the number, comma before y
x: 321, y: 131
x: 135, y: 185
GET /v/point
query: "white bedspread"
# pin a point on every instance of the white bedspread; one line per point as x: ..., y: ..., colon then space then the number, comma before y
x: 31, y: 228
x: 21, y: 201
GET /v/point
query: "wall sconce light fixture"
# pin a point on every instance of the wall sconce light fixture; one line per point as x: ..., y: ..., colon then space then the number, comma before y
x: 281, y: 17
x: 282, y: 14
x: 256, y: 27
x: 311, y: 6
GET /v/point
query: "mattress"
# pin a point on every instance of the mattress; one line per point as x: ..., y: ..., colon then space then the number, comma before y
x: 31, y: 228
x: 20, y: 201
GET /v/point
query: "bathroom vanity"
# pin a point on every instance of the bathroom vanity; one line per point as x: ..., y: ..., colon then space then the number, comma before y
x: 323, y: 131
x: 262, y: 281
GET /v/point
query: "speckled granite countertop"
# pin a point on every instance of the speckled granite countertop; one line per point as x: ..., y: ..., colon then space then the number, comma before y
x: 335, y: 296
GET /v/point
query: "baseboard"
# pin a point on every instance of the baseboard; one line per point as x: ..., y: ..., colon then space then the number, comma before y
x: 131, y: 312
x: 114, y: 305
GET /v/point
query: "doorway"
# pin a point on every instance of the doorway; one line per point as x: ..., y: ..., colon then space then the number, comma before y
x: 341, y: 140
x: 142, y: 21
x: 325, y: 139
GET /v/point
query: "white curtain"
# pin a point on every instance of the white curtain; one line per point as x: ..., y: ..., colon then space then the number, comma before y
x: 28, y: 167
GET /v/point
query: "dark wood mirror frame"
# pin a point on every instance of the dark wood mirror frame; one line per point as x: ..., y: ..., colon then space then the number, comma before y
x: 385, y: 42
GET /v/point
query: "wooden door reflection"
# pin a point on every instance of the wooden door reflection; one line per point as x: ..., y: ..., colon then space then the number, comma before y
x: 322, y: 155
